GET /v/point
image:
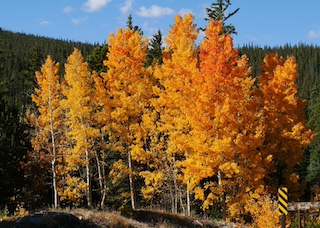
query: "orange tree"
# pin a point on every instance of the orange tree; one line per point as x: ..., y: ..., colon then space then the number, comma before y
x: 227, y: 124
x: 286, y: 133
x: 232, y: 154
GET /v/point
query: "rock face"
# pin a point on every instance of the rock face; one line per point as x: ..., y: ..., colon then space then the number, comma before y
x: 50, y: 219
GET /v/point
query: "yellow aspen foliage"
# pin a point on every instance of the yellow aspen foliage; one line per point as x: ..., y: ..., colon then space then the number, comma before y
x: 75, y: 189
x: 166, y: 122
x: 119, y: 171
x: 262, y: 208
x: 153, y: 183
x: 47, y: 98
x: 79, y: 110
x: 47, y: 122
x: 125, y: 92
x: 287, y: 133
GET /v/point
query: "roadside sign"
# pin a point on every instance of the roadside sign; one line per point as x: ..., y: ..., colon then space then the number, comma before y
x: 283, y: 200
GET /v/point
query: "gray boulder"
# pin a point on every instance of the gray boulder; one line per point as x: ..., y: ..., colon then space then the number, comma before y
x: 50, y: 219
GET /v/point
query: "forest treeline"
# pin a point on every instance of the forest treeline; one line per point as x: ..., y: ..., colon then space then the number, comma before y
x: 180, y: 127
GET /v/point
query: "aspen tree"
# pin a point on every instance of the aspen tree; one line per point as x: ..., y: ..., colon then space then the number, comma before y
x: 171, y: 126
x: 79, y: 108
x: 125, y: 92
x: 227, y: 127
x: 101, y: 116
x: 241, y: 133
x: 287, y: 133
x: 47, y: 121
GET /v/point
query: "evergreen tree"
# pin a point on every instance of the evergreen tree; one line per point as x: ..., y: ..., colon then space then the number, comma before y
x: 33, y: 61
x: 155, y: 50
x: 314, y: 166
x: 96, y: 58
x: 13, y: 147
x: 132, y: 27
x: 217, y: 12
x: 2, y: 58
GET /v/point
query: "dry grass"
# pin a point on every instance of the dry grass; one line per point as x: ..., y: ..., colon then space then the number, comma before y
x: 93, y: 219
x: 141, y: 219
x: 167, y: 220
x: 104, y: 219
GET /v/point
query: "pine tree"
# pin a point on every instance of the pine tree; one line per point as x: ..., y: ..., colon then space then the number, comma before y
x: 34, y: 60
x: 96, y: 58
x: 155, y: 50
x: 133, y: 28
x: 217, y: 12
x: 14, y: 145
x: 314, y: 166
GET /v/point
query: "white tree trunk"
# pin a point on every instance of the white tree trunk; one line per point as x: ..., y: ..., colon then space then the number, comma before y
x: 53, y: 162
x: 102, y: 190
x: 133, y: 206
x: 188, y: 200
x: 88, y: 180
x: 222, y: 199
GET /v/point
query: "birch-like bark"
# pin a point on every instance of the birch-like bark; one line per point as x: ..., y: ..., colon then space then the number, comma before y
x: 102, y: 190
x: 133, y: 206
x: 54, y: 157
x: 88, y: 180
x: 188, y: 200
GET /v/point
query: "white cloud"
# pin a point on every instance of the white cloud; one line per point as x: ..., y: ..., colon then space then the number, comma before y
x: 148, y: 30
x: 154, y: 11
x: 127, y: 6
x: 43, y: 22
x: 252, y: 38
x: 68, y: 9
x: 314, y: 34
x: 91, y: 6
x: 79, y: 20
x: 184, y: 11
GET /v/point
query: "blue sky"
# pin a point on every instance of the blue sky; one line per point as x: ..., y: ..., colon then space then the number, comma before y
x: 258, y: 22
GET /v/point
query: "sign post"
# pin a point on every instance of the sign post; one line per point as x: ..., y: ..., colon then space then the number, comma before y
x: 283, y: 204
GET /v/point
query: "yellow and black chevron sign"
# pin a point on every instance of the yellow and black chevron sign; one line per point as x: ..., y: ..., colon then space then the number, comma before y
x: 283, y: 200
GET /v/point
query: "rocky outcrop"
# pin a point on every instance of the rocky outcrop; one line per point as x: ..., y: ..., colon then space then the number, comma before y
x: 50, y: 219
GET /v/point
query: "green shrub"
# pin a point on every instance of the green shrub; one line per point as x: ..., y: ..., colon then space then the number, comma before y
x: 4, y: 212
